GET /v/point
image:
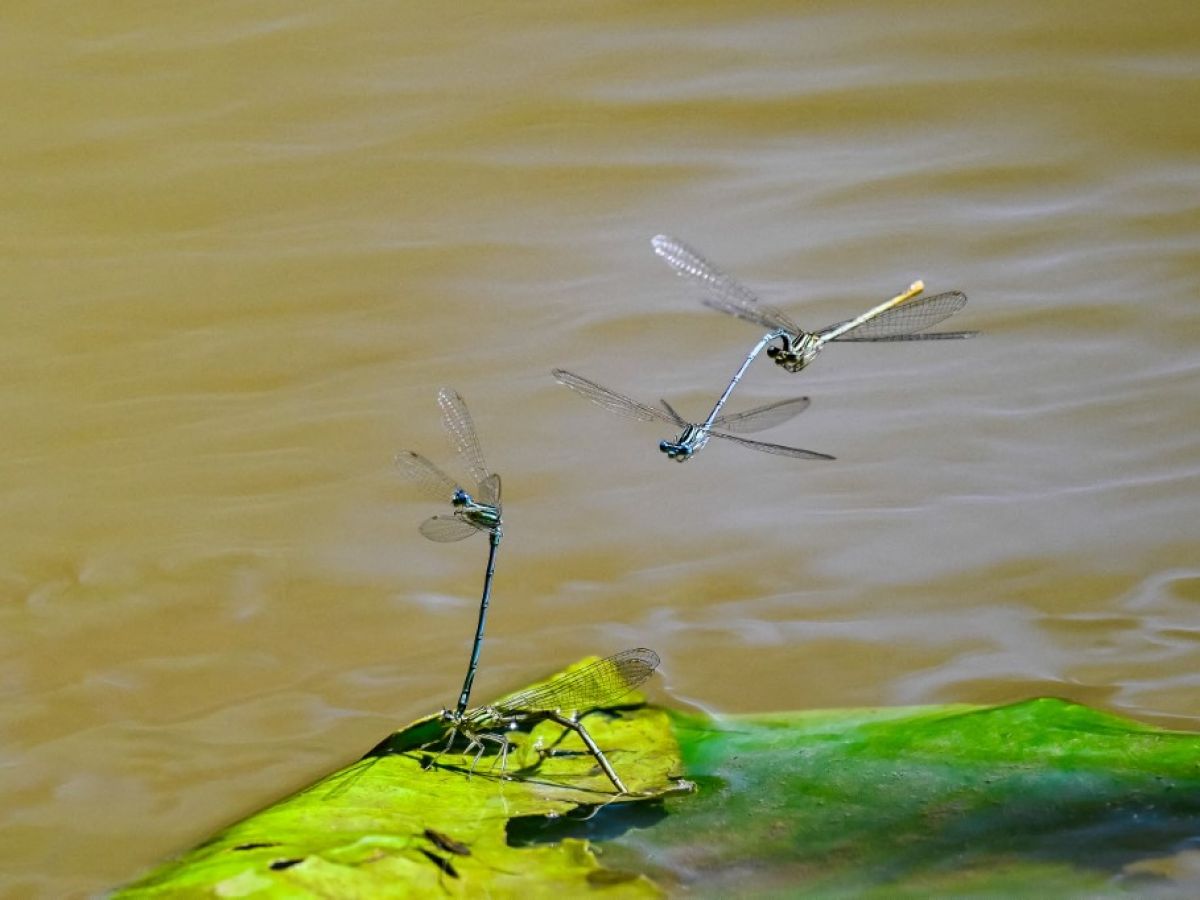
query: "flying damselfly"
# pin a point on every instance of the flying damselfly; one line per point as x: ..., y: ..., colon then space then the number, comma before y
x: 472, y: 513
x: 694, y: 436
x: 902, y: 318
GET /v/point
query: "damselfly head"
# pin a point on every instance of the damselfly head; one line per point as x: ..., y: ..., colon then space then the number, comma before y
x: 795, y: 352
x: 461, y: 498
x: 791, y: 361
x: 678, y: 452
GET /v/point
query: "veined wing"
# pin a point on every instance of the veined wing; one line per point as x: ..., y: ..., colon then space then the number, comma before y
x: 902, y: 322
x: 759, y: 314
x: 434, y: 483
x: 610, y: 400
x: 923, y: 336
x: 446, y: 529
x: 597, y: 684
x: 675, y: 417
x: 489, y: 491
x: 462, y: 433
x: 762, y: 417
x: 724, y: 292
x: 777, y: 449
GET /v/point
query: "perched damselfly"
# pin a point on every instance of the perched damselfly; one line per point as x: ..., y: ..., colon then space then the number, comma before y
x: 563, y: 699
x: 902, y: 318
x: 560, y: 700
x: 472, y: 513
x: 694, y: 436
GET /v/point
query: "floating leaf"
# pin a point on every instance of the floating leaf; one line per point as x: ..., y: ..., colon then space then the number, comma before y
x: 1040, y: 797
x: 408, y: 822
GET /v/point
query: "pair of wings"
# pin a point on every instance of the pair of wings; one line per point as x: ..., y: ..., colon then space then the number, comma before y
x: 596, y: 685
x: 751, y: 420
x: 437, y: 485
x: 726, y: 294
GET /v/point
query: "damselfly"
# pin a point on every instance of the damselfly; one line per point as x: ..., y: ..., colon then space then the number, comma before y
x: 694, y: 436
x: 564, y: 699
x: 560, y: 700
x: 902, y: 318
x: 472, y: 513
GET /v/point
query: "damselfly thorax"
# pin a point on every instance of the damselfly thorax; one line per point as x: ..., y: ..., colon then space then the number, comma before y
x: 794, y: 352
x: 483, y: 516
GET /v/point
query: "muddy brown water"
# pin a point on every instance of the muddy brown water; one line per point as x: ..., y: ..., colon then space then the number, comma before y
x: 244, y: 246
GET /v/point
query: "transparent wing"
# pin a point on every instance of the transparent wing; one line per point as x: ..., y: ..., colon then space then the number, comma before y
x: 903, y: 321
x: 760, y: 314
x: 675, y: 417
x: 777, y: 449
x: 610, y: 400
x: 597, y: 684
x: 923, y: 336
x: 433, y: 482
x: 762, y: 417
x: 724, y: 292
x: 446, y: 529
x: 489, y: 491
x: 462, y: 433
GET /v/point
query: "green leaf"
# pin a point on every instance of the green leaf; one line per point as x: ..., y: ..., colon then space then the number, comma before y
x: 1041, y: 797
x: 408, y: 822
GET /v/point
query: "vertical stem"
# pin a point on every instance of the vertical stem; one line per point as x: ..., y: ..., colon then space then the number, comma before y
x: 737, y: 376
x: 493, y: 545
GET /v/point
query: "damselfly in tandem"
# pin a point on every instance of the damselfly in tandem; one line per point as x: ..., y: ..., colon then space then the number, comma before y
x: 902, y: 318
x: 472, y: 513
x: 694, y: 436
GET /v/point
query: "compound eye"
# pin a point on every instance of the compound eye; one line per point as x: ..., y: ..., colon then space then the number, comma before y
x: 664, y: 447
x: 772, y: 352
